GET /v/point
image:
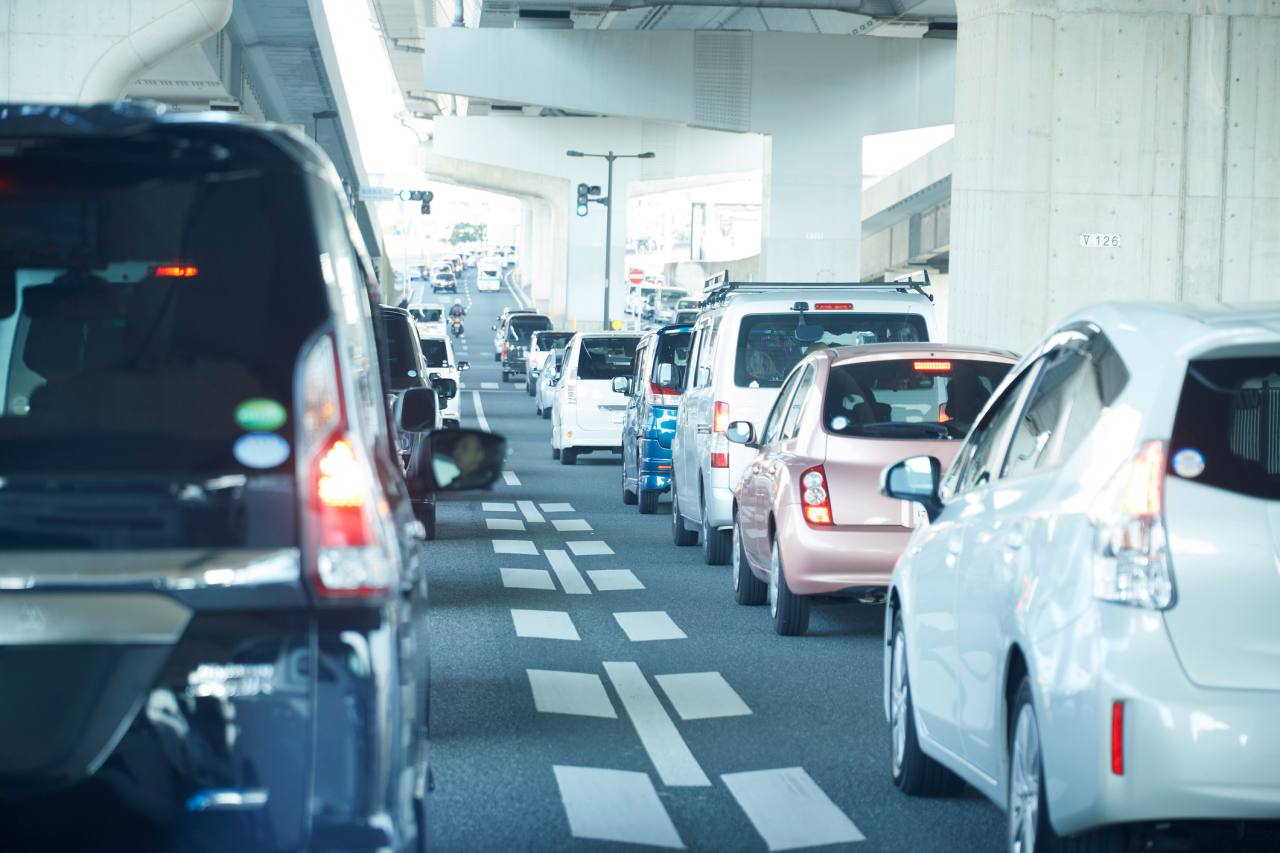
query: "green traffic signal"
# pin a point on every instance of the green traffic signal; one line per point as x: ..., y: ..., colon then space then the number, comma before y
x: 582, y: 210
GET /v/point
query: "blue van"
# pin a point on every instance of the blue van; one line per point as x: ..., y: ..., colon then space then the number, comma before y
x: 653, y: 398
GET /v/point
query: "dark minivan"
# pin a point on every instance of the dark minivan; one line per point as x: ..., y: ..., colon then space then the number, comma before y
x: 212, y: 590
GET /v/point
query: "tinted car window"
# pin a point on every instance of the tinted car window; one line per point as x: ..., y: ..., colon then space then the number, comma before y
x: 403, y: 353
x: 605, y: 358
x: 434, y: 352
x: 426, y: 315
x: 673, y: 348
x: 1229, y: 414
x: 768, y: 349
x: 521, y: 329
x: 550, y: 340
x: 909, y: 397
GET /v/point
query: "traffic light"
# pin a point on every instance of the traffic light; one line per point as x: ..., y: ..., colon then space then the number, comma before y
x: 584, y: 191
x: 423, y: 196
x: 426, y: 201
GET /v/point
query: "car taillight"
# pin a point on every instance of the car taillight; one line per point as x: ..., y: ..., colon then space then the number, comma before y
x: 1131, y: 562
x: 833, y: 306
x: 931, y: 365
x: 814, y: 496
x: 506, y: 349
x: 719, y: 450
x: 660, y: 396
x: 1117, y: 738
x: 720, y: 416
x: 345, y: 555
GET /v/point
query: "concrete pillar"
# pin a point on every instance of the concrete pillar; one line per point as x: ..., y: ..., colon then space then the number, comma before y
x: 84, y: 51
x: 1150, y: 121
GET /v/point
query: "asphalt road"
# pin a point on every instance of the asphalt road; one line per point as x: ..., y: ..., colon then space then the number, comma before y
x: 580, y: 741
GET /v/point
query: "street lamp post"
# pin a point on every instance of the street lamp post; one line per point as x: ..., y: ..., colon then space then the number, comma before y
x: 607, y: 201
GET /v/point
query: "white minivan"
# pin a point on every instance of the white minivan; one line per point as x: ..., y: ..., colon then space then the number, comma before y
x: 746, y: 340
x: 587, y: 414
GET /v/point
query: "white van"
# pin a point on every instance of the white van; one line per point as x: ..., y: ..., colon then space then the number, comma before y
x: 746, y: 340
x: 489, y: 275
x: 587, y: 414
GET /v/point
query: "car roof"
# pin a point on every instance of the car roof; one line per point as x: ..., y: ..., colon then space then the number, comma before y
x: 921, y: 349
x: 621, y: 333
x: 783, y: 297
x: 1150, y: 332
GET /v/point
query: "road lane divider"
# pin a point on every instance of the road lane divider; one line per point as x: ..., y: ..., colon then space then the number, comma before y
x: 789, y: 810
x: 701, y: 695
x: 515, y: 546
x: 529, y: 511
x: 570, y: 525
x: 527, y: 579
x: 504, y: 524
x: 667, y: 750
x: 544, y: 624
x: 609, y: 580
x: 589, y: 548
x: 579, y: 693
x: 615, y: 805
x: 642, y: 626
x: 567, y: 573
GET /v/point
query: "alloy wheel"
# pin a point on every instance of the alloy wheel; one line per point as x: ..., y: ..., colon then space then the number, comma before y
x: 898, y: 695
x: 775, y: 569
x: 1024, y: 783
x: 737, y: 553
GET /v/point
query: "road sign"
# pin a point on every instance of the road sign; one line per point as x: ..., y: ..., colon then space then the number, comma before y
x: 636, y: 276
x: 377, y: 194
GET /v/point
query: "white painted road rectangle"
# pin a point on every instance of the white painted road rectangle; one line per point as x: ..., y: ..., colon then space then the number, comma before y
x: 510, y: 478
x: 570, y: 525
x: 527, y: 579
x: 504, y: 524
x: 608, y: 580
x: 645, y: 625
x: 492, y: 506
x: 489, y: 386
x: 557, y: 507
x: 570, y: 578
x: 580, y: 693
x: 702, y: 695
x: 514, y: 546
x: 789, y: 810
x: 530, y: 511
x: 658, y: 734
x: 615, y: 805
x: 589, y: 548
x: 544, y: 624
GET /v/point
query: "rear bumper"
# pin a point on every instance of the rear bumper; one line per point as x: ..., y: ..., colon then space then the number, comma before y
x: 825, y: 560
x: 655, y: 466
x: 513, y: 364
x: 573, y: 435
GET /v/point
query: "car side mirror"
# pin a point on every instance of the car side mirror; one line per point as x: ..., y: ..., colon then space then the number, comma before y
x: 416, y: 410
x: 464, y: 365
x: 445, y: 387
x: 622, y: 385
x: 915, y: 479
x: 666, y: 376
x: 454, y: 460
x: 494, y: 327
x: 742, y: 432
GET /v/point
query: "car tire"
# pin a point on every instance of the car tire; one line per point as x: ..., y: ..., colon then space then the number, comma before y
x: 546, y: 414
x: 747, y: 588
x: 914, y: 772
x: 790, y: 612
x: 680, y: 534
x: 629, y: 496
x: 648, y: 500
x: 497, y: 357
x: 426, y: 513
x: 569, y: 456
x: 716, y: 544
x: 555, y: 453
x: 528, y: 387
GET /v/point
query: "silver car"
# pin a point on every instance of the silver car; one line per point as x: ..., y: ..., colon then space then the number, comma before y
x: 1087, y: 629
x: 545, y: 394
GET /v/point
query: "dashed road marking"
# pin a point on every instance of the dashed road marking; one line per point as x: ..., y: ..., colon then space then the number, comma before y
x: 549, y: 508
x: 510, y: 478
x: 504, y: 524
x: 514, y: 546
x: 580, y: 693
x: 667, y: 750
x: 589, y: 548
x: 570, y: 525
x: 570, y: 578
x: 480, y: 418
x: 789, y: 810
x: 527, y: 579
x: 615, y: 805
x: 702, y: 695
x: 497, y: 507
x: 645, y: 625
x: 608, y: 580
x: 544, y: 624
x: 530, y: 511
x: 489, y: 386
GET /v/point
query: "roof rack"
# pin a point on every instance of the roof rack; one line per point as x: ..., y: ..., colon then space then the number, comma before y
x: 720, y: 287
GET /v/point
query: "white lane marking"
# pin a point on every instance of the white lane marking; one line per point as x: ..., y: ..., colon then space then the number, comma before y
x: 615, y: 805
x: 662, y: 741
x: 527, y: 579
x: 497, y: 507
x: 530, y: 511
x: 489, y: 386
x: 567, y: 572
x: 607, y: 580
x: 702, y: 695
x: 589, y: 548
x: 480, y: 418
x: 510, y: 478
x: 504, y: 524
x: 645, y: 625
x: 580, y: 693
x: 557, y: 508
x: 789, y: 810
x: 544, y: 624
x: 514, y: 546
x: 570, y: 525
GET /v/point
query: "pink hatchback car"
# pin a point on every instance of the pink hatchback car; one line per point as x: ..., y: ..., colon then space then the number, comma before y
x: 809, y: 518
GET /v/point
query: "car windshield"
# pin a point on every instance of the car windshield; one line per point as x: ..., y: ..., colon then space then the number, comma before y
x: 768, y: 347
x: 435, y: 352
x: 909, y: 397
x: 673, y: 348
x: 427, y: 315
x: 521, y: 329
x: 444, y: 276
x: 552, y: 340
x: 605, y: 358
x: 148, y: 290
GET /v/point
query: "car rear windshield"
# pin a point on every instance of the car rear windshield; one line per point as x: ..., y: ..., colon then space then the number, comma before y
x: 552, y: 340
x: 673, y: 348
x: 605, y: 358
x: 402, y: 351
x: 427, y: 315
x: 1227, y: 430
x: 435, y: 352
x: 768, y: 347
x: 909, y: 397
x: 521, y: 329
x: 149, y: 287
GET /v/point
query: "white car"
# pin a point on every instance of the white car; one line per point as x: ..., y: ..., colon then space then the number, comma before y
x: 540, y: 347
x: 545, y: 394
x: 429, y: 318
x: 489, y: 276
x: 746, y: 340
x: 437, y: 351
x: 587, y: 414
x: 1086, y: 630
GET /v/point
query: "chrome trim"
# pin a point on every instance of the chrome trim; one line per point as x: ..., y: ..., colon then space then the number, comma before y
x: 40, y: 619
x: 169, y: 569
x: 227, y: 799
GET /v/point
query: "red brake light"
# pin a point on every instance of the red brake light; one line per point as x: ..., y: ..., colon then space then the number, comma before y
x: 338, y: 484
x: 719, y: 459
x: 663, y: 396
x: 720, y: 416
x: 931, y: 366
x: 177, y: 271
x: 1117, y: 738
x: 506, y: 348
x: 833, y: 306
x: 1144, y: 486
x: 815, y: 497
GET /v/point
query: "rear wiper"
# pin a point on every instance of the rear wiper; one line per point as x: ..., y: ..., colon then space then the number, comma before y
x: 906, y: 428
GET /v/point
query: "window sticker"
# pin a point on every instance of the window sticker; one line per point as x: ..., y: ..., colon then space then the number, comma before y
x: 1188, y: 463
x: 260, y: 450
x: 260, y: 414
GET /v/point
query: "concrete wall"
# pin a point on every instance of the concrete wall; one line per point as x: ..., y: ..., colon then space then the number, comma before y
x: 1146, y: 119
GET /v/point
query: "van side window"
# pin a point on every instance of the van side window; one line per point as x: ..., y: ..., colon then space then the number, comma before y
x: 706, y: 353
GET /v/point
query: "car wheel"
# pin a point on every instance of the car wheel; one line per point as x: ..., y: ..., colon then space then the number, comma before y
x: 426, y: 513
x: 497, y: 357
x: 569, y: 456
x: 628, y: 495
x: 555, y: 453
x: 648, y: 500
x: 913, y: 772
x: 680, y: 534
x: 790, y: 612
x: 528, y: 387
x: 546, y: 414
x: 747, y: 588
x: 715, y: 543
